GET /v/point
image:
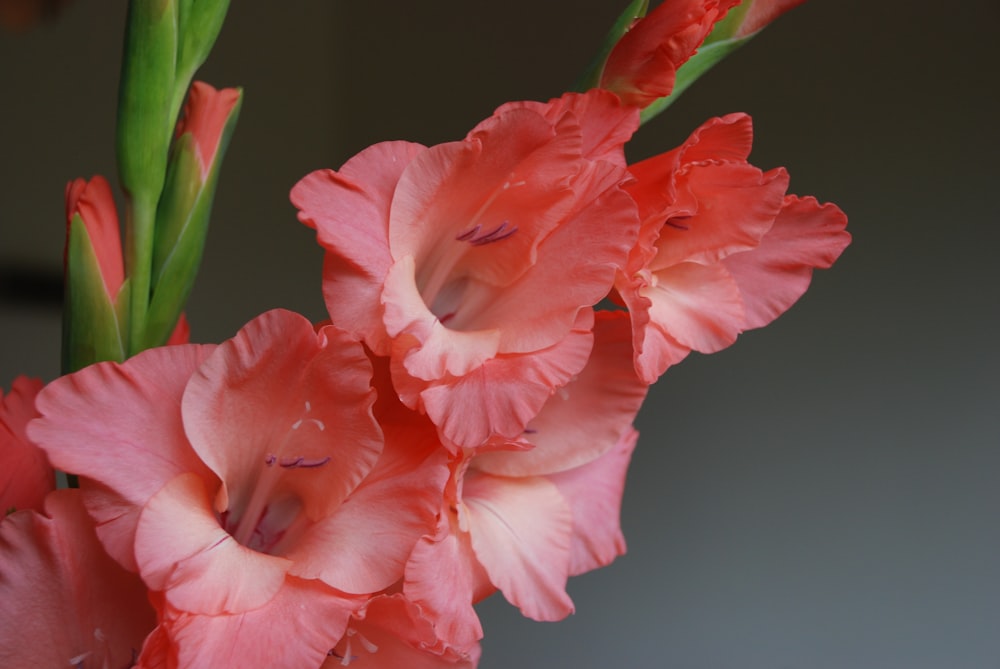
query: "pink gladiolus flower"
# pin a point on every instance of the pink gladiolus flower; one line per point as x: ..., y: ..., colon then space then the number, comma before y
x: 474, y: 264
x: 642, y: 67
x: 65, y: 603
x: 525, y: 519
x: 262, y: 506
x: 25, y: 474
x: 722, y: 248
x: 95, y: 204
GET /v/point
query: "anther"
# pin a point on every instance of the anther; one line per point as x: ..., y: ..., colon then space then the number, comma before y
x: 302, y: 462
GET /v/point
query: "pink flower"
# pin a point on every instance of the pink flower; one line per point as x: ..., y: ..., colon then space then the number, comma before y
x: 474, y: 264
x: 25, y: 474
x: 722, y: 248
x: 642, y: 67
x: 525, y: 519
x: 65, y: 602
x: 261, y: 506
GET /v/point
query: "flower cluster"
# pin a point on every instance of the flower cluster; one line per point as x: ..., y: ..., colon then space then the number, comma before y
x: 322, y: 495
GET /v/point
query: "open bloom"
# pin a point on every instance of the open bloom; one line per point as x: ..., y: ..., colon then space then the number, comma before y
x: 722, y: 248
x: 474, y: 264
x: 66, y: 603
x: 244, y: 483
x: 525, y: 518
x: 25, y: 474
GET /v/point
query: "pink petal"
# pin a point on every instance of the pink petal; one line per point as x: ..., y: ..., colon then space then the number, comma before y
x: 594, y: 492
x: 515, y: 167
x: 363, y: 547
x: 605, y: 123
x: 109, y: 421
x: 393, y: 632
x: 445, y: 579
x: 295, y: 629
x: 773, y: 276
x: 350, y: 211
x: 697, y: 305
x: 502, y: 395
x: 26, y: 476
x: 521, y: 532
x: 181, y: 549
x: 63, y: 596
x: 585, y: 418
x: 736, y: 206
x: 244, y: 430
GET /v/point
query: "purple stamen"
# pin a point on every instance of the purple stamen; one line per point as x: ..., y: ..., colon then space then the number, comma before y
x: 495, y: 235
x: 530, y: 430
x: 301, y: 462
x: 678, y: 226
x: 270, y: 459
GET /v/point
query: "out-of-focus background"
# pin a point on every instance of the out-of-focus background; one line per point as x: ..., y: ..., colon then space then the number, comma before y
x: 822, y: 495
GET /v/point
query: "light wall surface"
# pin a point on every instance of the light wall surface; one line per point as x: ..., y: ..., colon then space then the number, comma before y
x: 822, y: 495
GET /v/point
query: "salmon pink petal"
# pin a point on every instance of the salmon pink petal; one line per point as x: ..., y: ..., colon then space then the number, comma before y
x: 441, y: 351
x: 698, y: 305
x: 26, y: 476
x: 771, y: 277
x: 394, y: 632
x: 585, y: 418
x: 182, y: 550
x: 521, y: 532
x: 350, y: 211
x: 736, y: 206
x: 296, y: 629
x: 64, y: 599
x: 514, y: 168
x: 605, y: 123
x: 444, y: 578
x: 109, y: 421
x: 503, y: 394
x: 313, y: 442
x: 594, y: 492
x: 364, y: 546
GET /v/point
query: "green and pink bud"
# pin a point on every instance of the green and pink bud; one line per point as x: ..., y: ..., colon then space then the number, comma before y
x: 96, y: 291
x: 649, y: 60
x: 182, y: 217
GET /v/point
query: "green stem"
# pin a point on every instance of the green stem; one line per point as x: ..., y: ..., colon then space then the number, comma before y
x: 141, y: 213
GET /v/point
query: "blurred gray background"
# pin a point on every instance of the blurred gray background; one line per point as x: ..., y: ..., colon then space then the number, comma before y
x: 822, y: 495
